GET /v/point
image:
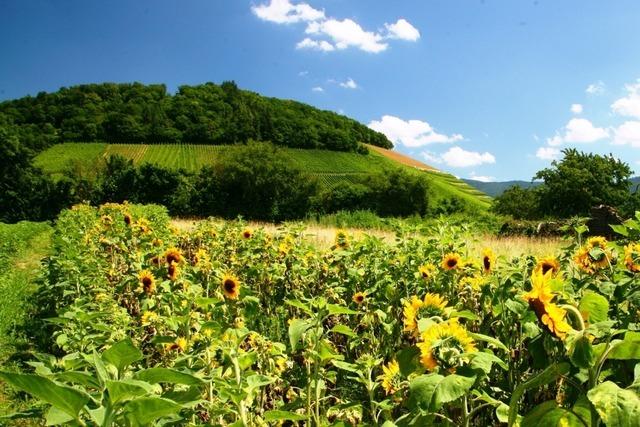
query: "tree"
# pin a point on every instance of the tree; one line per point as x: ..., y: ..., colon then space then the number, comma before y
x: 580, y: 181
x: 25, y: 192
x: 520, y: 203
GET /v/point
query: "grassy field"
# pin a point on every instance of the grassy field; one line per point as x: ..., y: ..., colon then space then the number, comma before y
x: 330, y: 167
x: 22, y: 247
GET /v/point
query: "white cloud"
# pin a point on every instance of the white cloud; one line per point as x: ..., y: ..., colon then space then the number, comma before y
x: 482, y: 178
x: 548, y: 153
x: 627, y: 133
x: 284, y: 12
x: 630, y: 104
x: 317, y: 89
x: 347, y: 33
x: 576, y: 108
x: 303, y: 73
x: 596, y: 88
x: 410, y: 133
x: 402, y: 30
x: 330, y: 33
x: 459, y: 158
x: 349, y: 84
x: 578, y: 130
x: 322, y: 45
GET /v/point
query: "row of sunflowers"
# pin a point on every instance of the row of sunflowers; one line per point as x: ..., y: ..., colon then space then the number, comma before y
x: 229, y: 325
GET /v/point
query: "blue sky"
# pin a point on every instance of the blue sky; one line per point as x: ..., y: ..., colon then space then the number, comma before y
x: 491, y: 89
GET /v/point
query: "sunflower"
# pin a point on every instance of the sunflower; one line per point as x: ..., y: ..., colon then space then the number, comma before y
x: 203, y: 260
x: 540, y: 292
x: 341, y: 239
x: 546, y: 264
x: 156, y: 242
x: 230, y: 287
x: 427, y: 271
x: 416, y: 309
x: 358, y: 297
x: 173, y: 255
x: 445, y: 345
x: 475, y: 283
x: 180, y: 345
x: 488, y: 260
x: 127, y: 219
x: 554, y: 319
x: 149, y: 317
x: 247, y: 233
x: 632, y: 257
x: 147, y: 281
x: 390, y: 378
x: 451, y: 261
x: 539, y: 299
x: 593, y: 256
x: 173, y: 271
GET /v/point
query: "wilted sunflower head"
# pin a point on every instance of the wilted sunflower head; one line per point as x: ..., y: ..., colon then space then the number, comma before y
x: 451, y: 261
x: 546, y: 264
x: 230, y: 287
x: 173, y: 255
x: 147, y: 281
x: 173, y: 271
x: 358, y: 297
x: 390, y: 378
x: 445, y: 345
x: 488, y: 260
x: 632, y: 257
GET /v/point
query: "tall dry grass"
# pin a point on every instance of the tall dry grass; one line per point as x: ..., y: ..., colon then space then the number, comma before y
x: 513, y: 246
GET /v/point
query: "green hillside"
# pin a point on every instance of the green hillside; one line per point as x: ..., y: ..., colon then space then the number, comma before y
x: 330, y: 167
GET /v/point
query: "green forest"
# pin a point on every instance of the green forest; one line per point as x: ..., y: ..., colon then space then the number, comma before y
x: 203, y: 114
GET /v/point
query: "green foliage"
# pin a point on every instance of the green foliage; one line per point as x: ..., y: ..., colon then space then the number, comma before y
x: 228, y: 325
x: 204, y: 114
x: 255, y: 181
x: 520, y: 203
x: 580, y: 181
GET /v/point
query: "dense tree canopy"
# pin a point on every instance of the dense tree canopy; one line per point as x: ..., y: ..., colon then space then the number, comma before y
x: 580, y: 181
x: 572, y: 186
x: 204, y: 114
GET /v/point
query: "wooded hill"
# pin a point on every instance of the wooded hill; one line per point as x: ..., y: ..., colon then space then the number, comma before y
x: 203, y: 114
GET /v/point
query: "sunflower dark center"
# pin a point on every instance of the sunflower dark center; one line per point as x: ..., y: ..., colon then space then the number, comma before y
x: 146, y: 281
x: 452, y: 262
x: 171, y: 258
x: 229, y: 285
x: 487, y: 263
x: 546, y: 267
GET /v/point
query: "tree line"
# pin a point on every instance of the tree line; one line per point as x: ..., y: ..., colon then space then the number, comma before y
x: 571, y: 187
x: 256, y: 181
x: 203, y: 114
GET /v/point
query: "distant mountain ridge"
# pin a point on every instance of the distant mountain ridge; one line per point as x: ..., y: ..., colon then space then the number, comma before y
x: 494, y: 189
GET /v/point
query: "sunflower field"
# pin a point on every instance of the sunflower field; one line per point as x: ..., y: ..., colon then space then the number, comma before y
x: 224, y: 325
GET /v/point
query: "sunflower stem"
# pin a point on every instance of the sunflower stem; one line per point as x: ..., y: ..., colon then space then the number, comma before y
x: 576, y: 314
